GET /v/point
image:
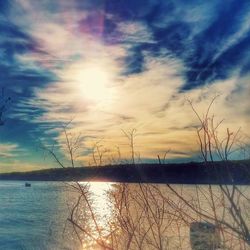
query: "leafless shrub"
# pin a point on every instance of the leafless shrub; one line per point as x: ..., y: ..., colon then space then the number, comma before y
x: 148, y: 216
x: 131, y: 138
x: 162, y: 160
x: 227, y: 203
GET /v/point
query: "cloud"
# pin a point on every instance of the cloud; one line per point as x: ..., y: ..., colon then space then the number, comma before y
x: 134, y: 32
x: 211, y: 40
x: 141, y: 106
x: 112, y: 65
x: 8, y: 150
x: 17, y: 166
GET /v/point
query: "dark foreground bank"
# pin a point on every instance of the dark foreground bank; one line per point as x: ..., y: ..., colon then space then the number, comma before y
x: 237, y: 172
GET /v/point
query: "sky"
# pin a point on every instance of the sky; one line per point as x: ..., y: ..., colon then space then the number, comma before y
x: 111, y: 66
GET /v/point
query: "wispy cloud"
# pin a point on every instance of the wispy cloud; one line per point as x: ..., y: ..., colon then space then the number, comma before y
x: 8, y: 150
x: 109, y: 66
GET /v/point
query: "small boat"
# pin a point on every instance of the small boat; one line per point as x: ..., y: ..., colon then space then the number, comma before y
x: 27, y: 184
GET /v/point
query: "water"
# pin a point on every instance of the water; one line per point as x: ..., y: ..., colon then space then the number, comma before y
x: 36, y: 217
x: 33, y: 217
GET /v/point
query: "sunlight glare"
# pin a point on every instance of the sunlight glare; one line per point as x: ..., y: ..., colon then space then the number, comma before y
x: 99, y: 193
x: 94, y: 83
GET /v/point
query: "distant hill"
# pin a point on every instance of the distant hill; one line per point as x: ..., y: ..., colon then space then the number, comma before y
x: 237, y: 172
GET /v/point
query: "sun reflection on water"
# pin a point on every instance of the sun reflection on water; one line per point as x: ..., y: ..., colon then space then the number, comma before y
x: 102, y: 207
x: 99, y: 192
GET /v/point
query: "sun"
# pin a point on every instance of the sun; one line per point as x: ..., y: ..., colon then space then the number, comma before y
x: 94, y: 83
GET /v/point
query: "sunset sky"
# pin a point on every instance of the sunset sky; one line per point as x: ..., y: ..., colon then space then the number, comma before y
x: 116, y: 65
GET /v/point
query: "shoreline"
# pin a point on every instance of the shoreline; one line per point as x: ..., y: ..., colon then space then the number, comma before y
x: 235, y: 172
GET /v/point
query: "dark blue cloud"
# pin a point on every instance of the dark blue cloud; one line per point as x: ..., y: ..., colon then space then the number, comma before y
x: 173, y: 38
x: 4, y: 6
x: 209, y: 50
x: 134, y: 61
x: 130, y: 10
x: 18, y: 79
x: 213, y: 53
x: 89, y: 5
x: 15, y: 42
x: 204, y: 66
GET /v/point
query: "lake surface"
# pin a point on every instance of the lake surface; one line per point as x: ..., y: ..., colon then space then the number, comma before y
x: 36, y: 217
x: 33, y: 217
